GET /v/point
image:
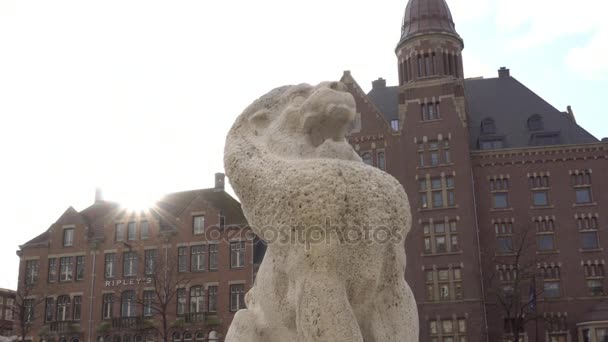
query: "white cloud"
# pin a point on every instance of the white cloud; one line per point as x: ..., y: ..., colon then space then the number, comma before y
x: 525, y: 24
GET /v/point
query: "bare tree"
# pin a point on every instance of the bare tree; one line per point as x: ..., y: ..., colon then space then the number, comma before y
x: 167, y: 281
x: 25, y: 309
x: 512, y: 281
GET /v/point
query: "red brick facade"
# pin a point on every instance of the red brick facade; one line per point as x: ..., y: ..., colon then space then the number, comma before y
x: 473, y: 194
x: 92, y: 270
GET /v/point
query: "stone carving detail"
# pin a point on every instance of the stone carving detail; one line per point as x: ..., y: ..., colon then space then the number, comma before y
x: 335, y: 227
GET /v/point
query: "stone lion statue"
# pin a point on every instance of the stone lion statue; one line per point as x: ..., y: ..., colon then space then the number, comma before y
x: 335, y: 227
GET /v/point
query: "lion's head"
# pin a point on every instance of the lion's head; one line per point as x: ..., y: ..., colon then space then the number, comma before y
x: 300, y: 122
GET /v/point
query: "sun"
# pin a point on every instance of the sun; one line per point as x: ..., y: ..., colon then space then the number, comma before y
x: 134, y: 198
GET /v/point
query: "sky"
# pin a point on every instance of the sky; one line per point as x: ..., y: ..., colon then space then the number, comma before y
x: 136, y: 97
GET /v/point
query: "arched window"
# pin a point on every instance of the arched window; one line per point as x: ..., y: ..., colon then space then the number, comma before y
x: 128, y: 304
x: 187, y: 336
x: 200, y: 336
x: 488, y: 126
x: 381, y: 161
x: 175, y: 337
x: 63, y: 308
x: 367, y: 158
x: 535, y: 123
x: 213, y: 336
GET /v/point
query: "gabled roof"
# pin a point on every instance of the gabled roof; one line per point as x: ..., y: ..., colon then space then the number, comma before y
x: 509, y: 103
x: 166, y: 209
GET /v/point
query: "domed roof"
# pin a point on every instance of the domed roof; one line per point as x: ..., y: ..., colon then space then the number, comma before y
x: 426, y: 16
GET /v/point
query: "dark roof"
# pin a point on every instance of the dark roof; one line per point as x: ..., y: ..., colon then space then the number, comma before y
x: 386, y: 100
x: 509, y: 103
x: 166, y: 210
x: 425, y: 16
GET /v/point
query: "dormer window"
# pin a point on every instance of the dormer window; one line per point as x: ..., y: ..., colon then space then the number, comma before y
x: 488, y: 126
x: 535, y: 123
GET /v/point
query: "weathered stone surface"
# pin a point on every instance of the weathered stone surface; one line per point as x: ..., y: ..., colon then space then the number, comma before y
x: 335, y: 227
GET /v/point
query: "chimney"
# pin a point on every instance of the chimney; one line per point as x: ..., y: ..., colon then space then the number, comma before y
x: 219, y: 181
x: 570, y: 114
x: 379, y: 83
x: 98, y: 195
x: 504, y: 72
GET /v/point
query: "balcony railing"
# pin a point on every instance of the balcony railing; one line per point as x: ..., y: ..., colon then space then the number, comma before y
x: 63, y: 326
x: 126, y: 322
x: 193, y: 317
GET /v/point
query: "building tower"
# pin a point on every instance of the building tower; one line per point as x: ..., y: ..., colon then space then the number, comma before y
x: 443, y: 261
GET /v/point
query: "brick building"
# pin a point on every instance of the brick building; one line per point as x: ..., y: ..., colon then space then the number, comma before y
x: 99, y: 274
x: 7, y: 301
x: 506, y: 193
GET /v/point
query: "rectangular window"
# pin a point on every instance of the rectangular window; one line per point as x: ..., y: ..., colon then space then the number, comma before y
x: 120, y: 232
x: 68, y: 237
x: 197, y: 258
x: 28, y: 310
x: 440, y: 237
x: 500, y: 200
x: 589, y: 240
x: 551, y: 281
x: 131, y: 231
x: 181, y: 301
x: 237, y: 254
x: 129, y: 264
x: 446, y: 283
x: 546, y: 242
x: 66, y: 268
x: 198, y: 224
x: 540, y: 198
x: 110, y: 265
x: 581, y: 180
x: 505, y: 244
x: 434, y: 158
x: 587, y: 226
x: 395, y: 124
x: 63, y: 308
x: 594, y: 274
x: 182, y: 259
x: 148, y: 303
x: 31, y: 272
x: 150, y: 261
x: 437, y: 199
x: 583, y: 195
x: 80, y: 267
x: 127, y: 303
x: 213, y: 256
x: 212, y: 292
x: 237, y: 297
x: 49, y: 309
x: 77, y: 309
x: 106, y: 310
x: 52, y: 274
x: 551, y: 289
x: 145, y: 230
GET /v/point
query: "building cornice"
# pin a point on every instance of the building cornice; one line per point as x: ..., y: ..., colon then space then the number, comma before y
x: 533, y: 154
